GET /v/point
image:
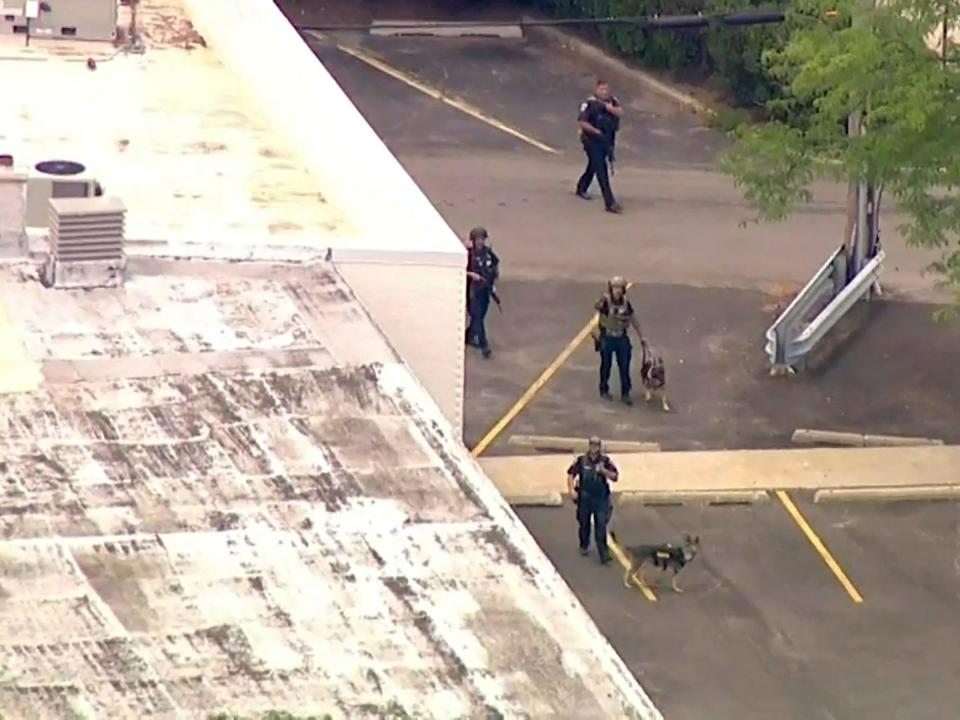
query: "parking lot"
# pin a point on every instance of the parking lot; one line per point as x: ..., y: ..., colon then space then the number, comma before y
x: 764, y: 629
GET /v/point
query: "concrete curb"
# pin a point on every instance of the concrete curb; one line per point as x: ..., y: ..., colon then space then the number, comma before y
x: 898, y: 441
x: 700, y: 497
x: 888, y: 494
x: 591, y: 52
x: 576, y: 444
x: 802, y: 436
x: 544, y: 500
x: 452, y: 29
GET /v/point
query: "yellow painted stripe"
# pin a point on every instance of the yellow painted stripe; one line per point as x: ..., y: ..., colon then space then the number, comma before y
x: 625, y: 561
x: 819, y: 546
x: 454, y: 102
x: 537, y: 385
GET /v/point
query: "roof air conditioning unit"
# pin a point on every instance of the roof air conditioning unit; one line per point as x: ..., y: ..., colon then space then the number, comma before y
x: 86, y: 243
x: 64, y: 19
x: 55, y: 179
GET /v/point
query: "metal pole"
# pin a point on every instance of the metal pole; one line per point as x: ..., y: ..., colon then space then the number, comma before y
x: 851, y: 232
x: 863, y: 229
x: 739, y: 18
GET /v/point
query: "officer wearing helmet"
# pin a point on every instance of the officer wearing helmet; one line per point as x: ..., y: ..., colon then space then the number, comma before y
x: 483, y: 270
x: 611, y: 338
x: 588, y: 481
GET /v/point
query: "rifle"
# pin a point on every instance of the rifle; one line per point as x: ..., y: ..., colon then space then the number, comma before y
x: 597, y: 334
x: 496, y: 299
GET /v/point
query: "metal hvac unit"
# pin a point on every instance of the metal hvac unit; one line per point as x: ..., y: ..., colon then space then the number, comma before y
x: 62, y: 19
x: 86, y: 243
x: 55, y: 179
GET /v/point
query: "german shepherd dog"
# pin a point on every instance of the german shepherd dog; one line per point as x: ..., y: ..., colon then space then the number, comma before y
x: 653, y: 376
x: 665, y: 557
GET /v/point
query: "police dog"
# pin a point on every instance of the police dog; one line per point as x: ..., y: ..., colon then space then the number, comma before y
x: 653, y: 376
x: 665, y: 557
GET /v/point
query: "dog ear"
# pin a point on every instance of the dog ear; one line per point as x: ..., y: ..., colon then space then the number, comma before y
x: 696, y: 540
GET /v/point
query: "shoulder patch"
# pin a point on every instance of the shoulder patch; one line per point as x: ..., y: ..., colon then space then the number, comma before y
x: 583, y: 106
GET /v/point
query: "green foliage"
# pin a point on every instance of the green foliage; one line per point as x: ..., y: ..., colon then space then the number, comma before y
x: 731, y: 56
x: 728, y: 120
x: 912, y: 144
x: 736, y: 53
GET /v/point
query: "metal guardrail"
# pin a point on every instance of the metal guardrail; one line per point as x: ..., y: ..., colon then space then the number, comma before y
x: 788, y: 346
x: 779, y: 334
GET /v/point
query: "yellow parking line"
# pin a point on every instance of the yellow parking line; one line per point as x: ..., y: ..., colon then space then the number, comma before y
x: 537, y: 385
x: 454, y: 102
x: 623, y: 560
x: 819, y: 546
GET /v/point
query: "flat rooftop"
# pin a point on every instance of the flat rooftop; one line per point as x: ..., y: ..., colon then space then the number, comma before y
x: 212, y: 500
x: 173, y: 132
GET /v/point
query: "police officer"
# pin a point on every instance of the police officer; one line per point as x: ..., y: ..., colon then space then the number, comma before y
x: 616, y: 316
x: 599, y: 121
x: 483, y: 270
x: 588, y: 481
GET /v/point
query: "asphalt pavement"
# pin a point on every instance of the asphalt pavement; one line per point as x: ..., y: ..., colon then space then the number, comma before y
x: 682, y: 221
x: 869, y: 377
x: 764, y: 629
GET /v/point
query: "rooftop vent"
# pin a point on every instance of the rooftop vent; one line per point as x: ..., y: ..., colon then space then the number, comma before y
x: 60, y: 167
x: 86, y: 243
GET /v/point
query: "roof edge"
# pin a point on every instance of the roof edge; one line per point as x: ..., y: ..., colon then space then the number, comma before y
x: 332, y: 138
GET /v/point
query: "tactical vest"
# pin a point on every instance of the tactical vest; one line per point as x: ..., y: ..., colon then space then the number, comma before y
x: 592, y: 483
x: 616, y: 320
x: 482, y: 263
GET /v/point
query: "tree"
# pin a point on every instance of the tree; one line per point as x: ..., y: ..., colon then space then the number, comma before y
x: 736, y: 53
x: 846, y: 57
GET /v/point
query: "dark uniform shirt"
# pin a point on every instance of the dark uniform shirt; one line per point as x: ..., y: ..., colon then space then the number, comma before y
x: 615, y: 317
x: 593, y: 112
x: 590, y: 483
x: 486, y: 264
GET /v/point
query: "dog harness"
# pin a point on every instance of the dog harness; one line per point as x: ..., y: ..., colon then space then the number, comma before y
x: 665, y: 553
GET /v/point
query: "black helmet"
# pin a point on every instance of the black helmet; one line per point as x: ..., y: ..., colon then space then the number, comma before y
x: 479, y: 233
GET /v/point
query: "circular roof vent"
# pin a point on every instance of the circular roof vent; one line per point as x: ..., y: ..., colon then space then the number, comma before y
x: 60, y: 167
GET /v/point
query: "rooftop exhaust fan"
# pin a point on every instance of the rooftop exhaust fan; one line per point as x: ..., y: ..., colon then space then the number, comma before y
x: 86, y: 243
